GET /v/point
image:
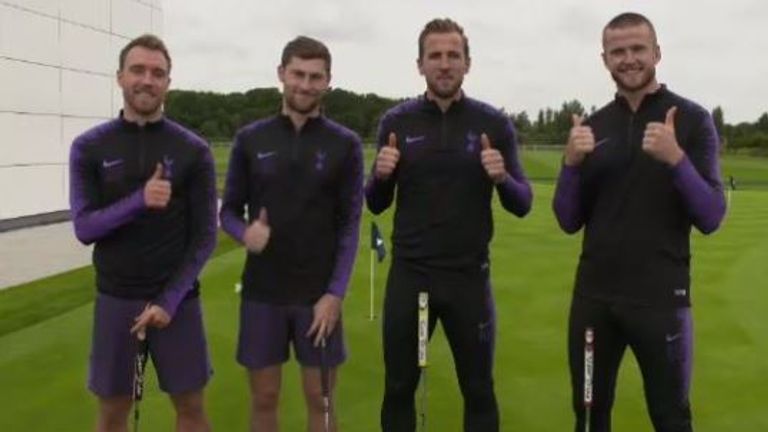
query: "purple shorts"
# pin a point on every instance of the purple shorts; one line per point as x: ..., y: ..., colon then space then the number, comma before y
x: 267, y: 330
x: 178, y: 352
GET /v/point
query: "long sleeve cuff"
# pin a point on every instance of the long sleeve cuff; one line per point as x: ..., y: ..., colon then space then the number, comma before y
x: 566, y: 202
x: 379, y: 193
x: 232, y: 225
x: 515, y: 195
x: 91, y: 226
x: 705, y: 203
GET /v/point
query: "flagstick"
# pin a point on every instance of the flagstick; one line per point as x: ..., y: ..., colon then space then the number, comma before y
x: 371, y: 316
x: 728, y: 200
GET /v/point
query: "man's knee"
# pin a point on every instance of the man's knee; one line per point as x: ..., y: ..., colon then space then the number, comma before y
x: 265, y: 388
x: 113, y: 413
x: 400, y: 389
x: 315, y: 399
x: 478, y: 393
x: 189, y: 405
x: 265, y: 398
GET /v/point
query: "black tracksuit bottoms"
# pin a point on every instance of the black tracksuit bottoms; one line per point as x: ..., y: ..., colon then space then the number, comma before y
x: 461, y: 299
x: 661, y: 340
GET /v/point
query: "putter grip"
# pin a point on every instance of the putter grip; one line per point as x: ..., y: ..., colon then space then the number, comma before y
x: 589, y: 364
x: 423, y: 329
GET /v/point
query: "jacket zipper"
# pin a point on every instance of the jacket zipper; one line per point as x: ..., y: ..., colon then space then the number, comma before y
x: 142, y: 151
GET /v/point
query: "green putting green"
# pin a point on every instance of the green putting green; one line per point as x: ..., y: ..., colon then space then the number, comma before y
x: 45, y: 335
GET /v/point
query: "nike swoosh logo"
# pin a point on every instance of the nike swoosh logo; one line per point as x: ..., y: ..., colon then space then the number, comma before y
x: 414, y: 140
x: 109, y: 164
x: 602, y: 141
x: 672, y: 338
x: 265, y: 155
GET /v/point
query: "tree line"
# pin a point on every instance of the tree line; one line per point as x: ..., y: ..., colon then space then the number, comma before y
x: 218, y: 116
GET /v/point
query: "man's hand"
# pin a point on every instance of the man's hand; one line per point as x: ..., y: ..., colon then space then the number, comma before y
x: 386, y: 160
x: 157, y: 191
x: 581, y: 142
x: 659, y: 140
x: 492, y: 160
x: 325, y: 317
x: 256, y: 236
x: 151, y: 316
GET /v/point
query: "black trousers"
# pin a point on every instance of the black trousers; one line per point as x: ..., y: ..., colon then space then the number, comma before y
x: 661, y: 340
x: 462, y: 301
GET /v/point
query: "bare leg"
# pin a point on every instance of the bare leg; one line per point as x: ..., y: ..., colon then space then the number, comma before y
x: 113, y: 414
x: 265, y: 395
x: 190, y: 413
x: 313, y: 395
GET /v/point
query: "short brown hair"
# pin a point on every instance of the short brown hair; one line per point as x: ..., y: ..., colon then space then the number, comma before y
x: 442, y: 25
x: 629, y: 19
x: 306, y: 48
x: 148, y: 41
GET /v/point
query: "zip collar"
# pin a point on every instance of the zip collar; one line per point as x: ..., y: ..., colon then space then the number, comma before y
x: 133, y: 126
x: 648, y: 98
x: 431, y: 106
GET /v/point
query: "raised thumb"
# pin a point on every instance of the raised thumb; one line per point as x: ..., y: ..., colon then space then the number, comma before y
x: 485, y: 143
x: 263, y: 216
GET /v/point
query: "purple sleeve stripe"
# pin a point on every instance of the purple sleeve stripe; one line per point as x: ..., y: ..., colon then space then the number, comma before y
x: 567, y: 200
x: 232, y: 213
x: 91, y: 223
x: 515, y: 192
x: 379, y: 194
x: 202, y: 207
x: 705, y: 203
x: 351, y: 198
x: 515, y: 195
x: 232, y: 224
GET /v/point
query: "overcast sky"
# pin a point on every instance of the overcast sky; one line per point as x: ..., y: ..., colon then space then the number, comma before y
x: 526, y: 55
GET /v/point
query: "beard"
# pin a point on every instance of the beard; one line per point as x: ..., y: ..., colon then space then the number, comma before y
x: 647, y: 76
x: 293, y: 104
x: 445, y: 92
x: 143, y: 102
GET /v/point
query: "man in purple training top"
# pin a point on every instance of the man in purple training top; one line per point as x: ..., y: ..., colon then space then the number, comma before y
x: 293, y: 197
x: 142, y: 189
x: 637, y: 175
x: 445, y: 153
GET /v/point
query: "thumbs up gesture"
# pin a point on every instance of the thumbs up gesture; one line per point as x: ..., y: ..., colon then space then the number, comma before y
x: 492, y: 160
x: 256, y: 236
x: 659, y: 140
x: 581, y: 141
x: 157, y: 190
x: 386, y: 160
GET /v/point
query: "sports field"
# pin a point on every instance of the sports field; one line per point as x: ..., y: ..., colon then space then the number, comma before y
x: 45, y: 331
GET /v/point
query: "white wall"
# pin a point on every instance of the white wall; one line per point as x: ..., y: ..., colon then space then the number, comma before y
x: 57, y: 69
